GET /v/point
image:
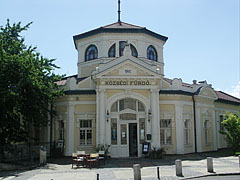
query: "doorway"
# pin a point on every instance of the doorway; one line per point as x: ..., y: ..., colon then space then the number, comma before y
x: 133, y: 144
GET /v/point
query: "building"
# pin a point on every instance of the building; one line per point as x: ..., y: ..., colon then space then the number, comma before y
x: 120, y: 97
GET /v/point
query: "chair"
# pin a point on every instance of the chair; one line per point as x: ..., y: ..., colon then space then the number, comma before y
x: 93, y: 159
x: 102, y: 156
x: 78, y: 158
x: 74, y: 159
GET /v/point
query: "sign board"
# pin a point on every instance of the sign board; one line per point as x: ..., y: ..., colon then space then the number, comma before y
x: 145, y: 147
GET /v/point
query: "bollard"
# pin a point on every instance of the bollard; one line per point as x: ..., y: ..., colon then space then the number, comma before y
x: 178, y: 164
x: 137, y: 171
x: 158, y: 175
x: 97, y: 176
x: 210, y: 164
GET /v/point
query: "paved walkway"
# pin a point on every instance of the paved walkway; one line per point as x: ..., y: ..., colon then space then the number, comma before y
x: 121, y: 169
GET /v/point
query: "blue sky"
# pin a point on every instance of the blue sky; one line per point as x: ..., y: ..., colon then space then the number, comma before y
x: 203, y: 35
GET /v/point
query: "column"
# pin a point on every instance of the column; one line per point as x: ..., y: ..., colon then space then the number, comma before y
x: 214, y: 131
x: 155, y: 118
x: 199, y: 127
x: 101, y: 120
x: 179, y: 128
x: 97, y: 117
x: 70, y: 131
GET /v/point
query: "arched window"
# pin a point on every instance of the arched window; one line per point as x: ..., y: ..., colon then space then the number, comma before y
x: 134, y: 51
x: 151, y: 53
x: 91, y: 53
x: 112, y: 51
x: 128, y: 103
x: 122, y: 45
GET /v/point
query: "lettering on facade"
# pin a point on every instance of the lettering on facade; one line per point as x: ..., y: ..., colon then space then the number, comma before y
x: 129, y: 71
x: 127, y: 82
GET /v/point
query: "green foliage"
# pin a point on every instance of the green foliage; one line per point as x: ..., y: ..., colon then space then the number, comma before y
x: 232, y: 130
x: 27, y: 86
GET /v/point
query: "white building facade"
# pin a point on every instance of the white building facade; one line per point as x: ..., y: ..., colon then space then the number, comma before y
x: 120, y: 98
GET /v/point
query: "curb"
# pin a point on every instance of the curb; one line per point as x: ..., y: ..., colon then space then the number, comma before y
x: 209, y: 175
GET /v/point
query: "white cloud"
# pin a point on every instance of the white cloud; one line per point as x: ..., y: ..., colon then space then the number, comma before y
x: 235, y: 91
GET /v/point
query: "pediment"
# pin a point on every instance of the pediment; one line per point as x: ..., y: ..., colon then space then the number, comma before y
x: 127, y: 68
x: 208, y: 93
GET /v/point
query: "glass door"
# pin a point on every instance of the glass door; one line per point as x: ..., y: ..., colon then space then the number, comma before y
x: 133, y: 143
x: 123, y: 144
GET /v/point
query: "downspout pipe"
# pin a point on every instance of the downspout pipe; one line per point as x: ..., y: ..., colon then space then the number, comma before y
x: 194, y: 119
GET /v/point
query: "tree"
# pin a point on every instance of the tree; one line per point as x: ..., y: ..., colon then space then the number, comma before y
x: 232, y: 131
x: 27, y: 86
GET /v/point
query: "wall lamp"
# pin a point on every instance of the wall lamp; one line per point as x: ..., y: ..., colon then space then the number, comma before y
x: 107, y: 115
x: 149, y: 115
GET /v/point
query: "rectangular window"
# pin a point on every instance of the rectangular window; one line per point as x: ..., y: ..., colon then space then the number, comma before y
x: 123, y: 134
x: 165, y: 131
x: 142, y: 130
x: 221, y: 119
x: 114, y: 131
x: 85, y: 132
x: 61, y: 130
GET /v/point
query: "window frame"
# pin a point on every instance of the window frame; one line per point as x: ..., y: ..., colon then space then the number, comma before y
x: 152, y: 53
x: 119, y: 105
x: 221, y: 119
x: 206, y: 128
x: 85, y: 130
x: 112, y: 50
x: 88, y: 55
x: 133, y: 51
x: 187, y: 131
x: 165, y: 131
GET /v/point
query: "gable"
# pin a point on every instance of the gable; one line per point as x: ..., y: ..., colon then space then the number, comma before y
x: 127, y: 68
x: 208, y: 92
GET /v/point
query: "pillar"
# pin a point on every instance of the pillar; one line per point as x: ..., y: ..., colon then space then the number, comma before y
x: 101, y: 120
x: 70, y: 131
x: 199, y: 127
x: 155, y: 118
x: 214, y: 131
x: 179, y: 128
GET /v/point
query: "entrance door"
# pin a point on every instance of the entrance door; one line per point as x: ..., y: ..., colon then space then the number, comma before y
x: 133, y: 144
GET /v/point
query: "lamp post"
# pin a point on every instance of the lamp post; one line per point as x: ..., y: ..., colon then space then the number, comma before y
x: 107, y: 116
x: 149, y: 115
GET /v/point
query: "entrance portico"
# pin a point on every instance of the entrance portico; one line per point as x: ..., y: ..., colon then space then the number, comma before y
x: 127, y: 107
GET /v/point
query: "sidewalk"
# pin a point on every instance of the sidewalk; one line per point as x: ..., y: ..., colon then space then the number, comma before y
x: 121, y: 169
